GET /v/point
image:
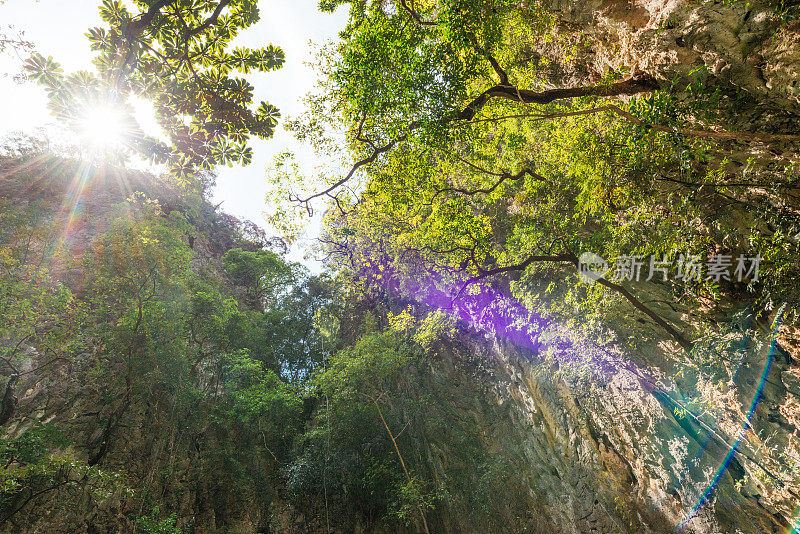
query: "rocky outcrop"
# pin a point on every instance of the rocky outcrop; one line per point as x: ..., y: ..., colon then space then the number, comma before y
x: 743, y: 49
x: 611, y: 453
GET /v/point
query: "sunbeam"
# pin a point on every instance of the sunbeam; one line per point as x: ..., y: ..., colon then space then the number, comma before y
x: 103, y: 127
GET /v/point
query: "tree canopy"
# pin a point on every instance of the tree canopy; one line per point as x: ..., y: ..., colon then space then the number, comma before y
x: 180, y: 56
x: 453, y: 367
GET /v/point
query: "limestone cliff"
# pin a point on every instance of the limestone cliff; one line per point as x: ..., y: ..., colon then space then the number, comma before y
x: 560, y: 435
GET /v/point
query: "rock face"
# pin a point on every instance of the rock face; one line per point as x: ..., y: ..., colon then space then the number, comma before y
x: 632, y: 440
x: 610, y: 440
x: 651, y: 439
x: 74, y: 204
x: 608, y: 453
x: 583, y: 439
x: 729, y: 43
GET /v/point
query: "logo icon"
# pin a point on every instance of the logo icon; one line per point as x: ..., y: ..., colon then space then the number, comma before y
x: 591, y: 267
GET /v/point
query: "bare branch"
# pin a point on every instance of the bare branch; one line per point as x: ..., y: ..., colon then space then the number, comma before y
x: 485, y: 273
x: 338, y: 204
x: 671, y: 330
x: 377, y: 151
x: 359, y: 132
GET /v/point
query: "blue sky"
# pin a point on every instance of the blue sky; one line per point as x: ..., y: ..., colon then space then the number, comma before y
x: 57, y: 28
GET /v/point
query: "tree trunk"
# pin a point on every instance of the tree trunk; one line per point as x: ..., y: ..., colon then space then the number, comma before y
x: 9, y: 403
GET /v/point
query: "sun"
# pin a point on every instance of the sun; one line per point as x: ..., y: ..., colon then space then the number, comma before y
x: 103, y: 127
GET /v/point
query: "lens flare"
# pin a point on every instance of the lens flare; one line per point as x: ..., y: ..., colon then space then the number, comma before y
x: 103, y: 127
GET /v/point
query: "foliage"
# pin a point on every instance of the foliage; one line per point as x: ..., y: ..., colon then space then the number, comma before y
x: 31, y: 300
x: 346, y: 461
x: 181, y: 56
x: 374, y: 483
x: 474, y: 193
x: 161, y: 341
x: 31, y: 469
x: 259, y: 395
x: 224, y: 379
x: 155, y: 524
x: 31, y: 445
x: 375, y: 362
x: 282, y: 334
x: 261, y: 273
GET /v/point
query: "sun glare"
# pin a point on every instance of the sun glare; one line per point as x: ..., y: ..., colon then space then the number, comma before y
x: 103, y: 127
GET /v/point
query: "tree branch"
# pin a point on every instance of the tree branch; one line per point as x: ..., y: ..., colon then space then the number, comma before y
x: 376, y: 151
x: 136, y: 27
x: 505, y: 175
x: 569, y: 257
x: 399, y: 456
x: 485, y: 273
x: 502, y: 74
x: 736, y: 136
x: 415, y: 15
x: 671, y: 330
x: 627, y: 87
x: 631, y: 86
x: 210, y: 21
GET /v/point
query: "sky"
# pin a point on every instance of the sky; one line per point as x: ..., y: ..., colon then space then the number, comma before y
x: 57, y: 28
